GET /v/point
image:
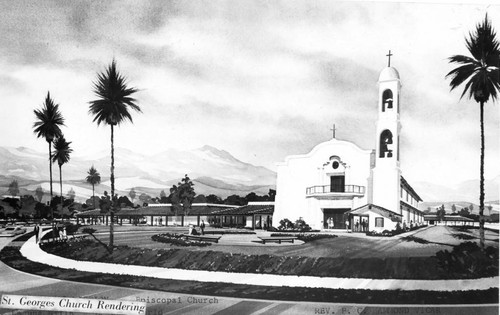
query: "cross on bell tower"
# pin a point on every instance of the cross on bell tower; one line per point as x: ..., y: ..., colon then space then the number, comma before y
x: 333, y: 131
x: 389, y: 58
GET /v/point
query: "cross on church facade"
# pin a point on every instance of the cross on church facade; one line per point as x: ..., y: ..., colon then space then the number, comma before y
x: 389, y: 61
x: 333, y: 130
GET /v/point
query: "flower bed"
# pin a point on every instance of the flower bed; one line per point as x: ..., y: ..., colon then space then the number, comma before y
x: 393, y: 232
x: 306, y: 237
x: 177, y: 239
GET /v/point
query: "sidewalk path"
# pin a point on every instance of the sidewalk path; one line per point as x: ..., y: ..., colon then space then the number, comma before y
x: 32, y: 251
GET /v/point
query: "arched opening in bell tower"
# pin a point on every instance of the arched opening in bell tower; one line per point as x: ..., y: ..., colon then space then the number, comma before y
x: 385, y: 142
x: 387, y: 99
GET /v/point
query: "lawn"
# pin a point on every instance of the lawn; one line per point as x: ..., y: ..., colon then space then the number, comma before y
x: 417, y: 256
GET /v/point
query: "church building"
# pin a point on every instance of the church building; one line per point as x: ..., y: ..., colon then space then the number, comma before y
x: 338, y: 183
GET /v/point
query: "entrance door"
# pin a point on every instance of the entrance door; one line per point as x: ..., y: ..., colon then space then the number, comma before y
x: 337, y: 183
x: 334, y: 218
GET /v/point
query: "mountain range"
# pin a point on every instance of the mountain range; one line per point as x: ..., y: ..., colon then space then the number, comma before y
x: 213, y: 171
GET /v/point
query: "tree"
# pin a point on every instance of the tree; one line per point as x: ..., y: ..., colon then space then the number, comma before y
x: 464, y: 212
x: 441, y: 212
x: 14, y: 188
x: 182, y: 194
x: 132, y: 194
x: 145, y: 198
x: 71, y: 194
x: 112, y: 107
x: 471, y: 207
x: 93, y: 178
x: 483, y: 74
x: 49, y: 121
x: 272, y: 194
x: 39, y: 193
x: 453, y: 208
x: 61, y: 154
x: 490, y: 207
x: 200, y: 199
x: 214, y: 199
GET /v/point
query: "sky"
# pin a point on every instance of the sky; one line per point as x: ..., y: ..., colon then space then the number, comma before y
x: 259, y: 79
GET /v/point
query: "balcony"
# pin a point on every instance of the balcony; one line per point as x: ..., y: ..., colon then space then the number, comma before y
x: 335, y: 192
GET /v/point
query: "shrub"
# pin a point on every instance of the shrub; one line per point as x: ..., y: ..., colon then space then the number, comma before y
x: 177, y: 239
x: 285, y: 224
x: 299, y: 226
x: 468, y: 259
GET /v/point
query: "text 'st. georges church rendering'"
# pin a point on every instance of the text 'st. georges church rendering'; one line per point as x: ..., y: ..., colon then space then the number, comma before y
x: 338, y: 181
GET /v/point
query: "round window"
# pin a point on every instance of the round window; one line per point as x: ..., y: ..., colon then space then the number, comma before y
x: 335, y: 165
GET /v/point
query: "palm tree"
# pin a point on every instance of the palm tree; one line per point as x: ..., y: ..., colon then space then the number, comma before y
x: 61, y: 156
x: 112, y: 108
x: 483, y: 75
x: 49, y: 120
x: 93, y: 178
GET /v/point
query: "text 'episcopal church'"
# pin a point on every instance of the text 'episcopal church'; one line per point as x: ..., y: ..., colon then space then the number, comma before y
x: 338, y: 181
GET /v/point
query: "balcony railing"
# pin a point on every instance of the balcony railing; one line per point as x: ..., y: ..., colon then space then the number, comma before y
x: 328, y: 189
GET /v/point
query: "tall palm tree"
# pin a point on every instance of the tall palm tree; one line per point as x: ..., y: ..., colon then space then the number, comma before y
x: 47, y: 125
x: 93, y: 178
x: 112, y: 108
x: 483, y: 74
x: 61, y: 156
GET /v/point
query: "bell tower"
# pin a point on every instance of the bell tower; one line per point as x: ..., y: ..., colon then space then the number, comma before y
x: 387, y: 172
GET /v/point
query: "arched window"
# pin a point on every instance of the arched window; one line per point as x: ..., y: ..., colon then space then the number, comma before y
x: 385, y: 141
x: 386, y: 99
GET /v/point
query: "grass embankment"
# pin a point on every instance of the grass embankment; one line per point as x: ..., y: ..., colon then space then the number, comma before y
x: 12, y: 257
x: 431, y: 268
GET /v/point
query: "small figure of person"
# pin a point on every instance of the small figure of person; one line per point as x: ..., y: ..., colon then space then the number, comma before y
x: 202, y: 227
x: 63, y: 234
x: 357, y: 225
x: 363, y: 225
x: 191, y: 228
x: 161, y: 221
x: 411, y: 224
x: 40, y: 233
x: 404, y: 226
x: 347, y: 225
x: 36, y: 230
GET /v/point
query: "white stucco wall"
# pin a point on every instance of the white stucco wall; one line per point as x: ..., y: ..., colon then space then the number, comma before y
x: 298, y: 172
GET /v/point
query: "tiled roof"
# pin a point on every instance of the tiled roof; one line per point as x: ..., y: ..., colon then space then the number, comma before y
x: 202, y: 209
x: 377, y: 209
x: 410, y: 189
x: 447, y: 218
x: 247, y: 210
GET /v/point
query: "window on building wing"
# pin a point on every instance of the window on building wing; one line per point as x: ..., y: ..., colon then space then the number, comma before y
x: 379, y: 222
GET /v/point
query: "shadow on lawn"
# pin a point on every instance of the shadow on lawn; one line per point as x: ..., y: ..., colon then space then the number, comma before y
x: 419, y: 240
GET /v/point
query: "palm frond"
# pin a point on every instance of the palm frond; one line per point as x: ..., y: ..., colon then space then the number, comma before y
x: 62, y: 151
x: 114, y: 98
x: 48, y: 120
x: 93, y: 177
x: 481, y: 70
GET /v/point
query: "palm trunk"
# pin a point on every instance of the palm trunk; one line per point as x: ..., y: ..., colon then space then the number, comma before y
x: 481, y: 182
x: 60, y: 183
x: 93, y: 196
x: 51, y: 193
x: 112, y: 178
x: 50, y: 173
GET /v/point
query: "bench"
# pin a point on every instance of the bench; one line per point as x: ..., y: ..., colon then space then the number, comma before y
x: 214, y: 239
x: 278, y: 239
